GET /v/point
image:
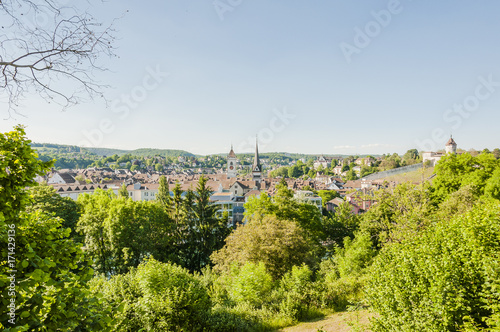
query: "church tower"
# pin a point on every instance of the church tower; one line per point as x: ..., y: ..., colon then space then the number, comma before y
x: 256, y: 167
x: 451, y: 146
x: 232, y: 164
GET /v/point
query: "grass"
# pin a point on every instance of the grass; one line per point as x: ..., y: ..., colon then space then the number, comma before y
x: 354, y: 321
x: 414, y: 177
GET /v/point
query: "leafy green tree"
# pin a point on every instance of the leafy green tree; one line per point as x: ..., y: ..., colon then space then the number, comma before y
x: 411, y: 155
x: 95, y: 209
x: 123, y: 192
x: 365, y: 170
x: 45, y: 198
x: 279, y: 244
x: 390, y: 162
x: 326, y: 196
x: 120, y: 233
x: 43, y: 271
x: 351, y: 175
x: 456, y: 171
x: 400, y: 213
x: 492, y: 188
x: 496, y: 153
x: 342, y: 224
x: 285, y: 207
x: 459, y: 202
x: 294, y: 172
x: 159, y: 167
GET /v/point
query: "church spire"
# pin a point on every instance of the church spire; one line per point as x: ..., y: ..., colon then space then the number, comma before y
x: 256, y: 160
x: 256, y: 168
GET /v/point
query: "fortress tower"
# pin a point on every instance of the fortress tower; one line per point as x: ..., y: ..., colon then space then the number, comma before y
x: 451, y: 146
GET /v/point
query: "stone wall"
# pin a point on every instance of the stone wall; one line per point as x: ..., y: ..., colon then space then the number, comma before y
x: 395, y: 171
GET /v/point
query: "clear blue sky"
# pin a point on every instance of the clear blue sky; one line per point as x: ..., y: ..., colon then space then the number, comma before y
x: 230, y: 73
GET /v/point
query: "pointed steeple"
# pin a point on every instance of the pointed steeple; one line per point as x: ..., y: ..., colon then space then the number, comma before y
x: 256, y: 161
x: 231, y: 153
x: 256, y: 167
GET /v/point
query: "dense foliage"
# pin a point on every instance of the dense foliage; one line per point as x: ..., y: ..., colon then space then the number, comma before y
x: 43, y: 274
x: 278, y: 244
x: 447, y: 279
x: 424, y: 257
x: 156, y: 297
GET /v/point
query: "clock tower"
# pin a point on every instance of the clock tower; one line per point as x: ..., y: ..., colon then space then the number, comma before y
x: 232, y: 164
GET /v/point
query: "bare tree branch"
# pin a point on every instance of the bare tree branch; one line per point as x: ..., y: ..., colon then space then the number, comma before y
x: 47, y: 48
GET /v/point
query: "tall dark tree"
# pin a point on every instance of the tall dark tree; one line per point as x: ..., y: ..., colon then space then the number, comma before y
x: 200, y: 230
x: 210, y: 230
x: 177, y: 204
x: 163, y: 196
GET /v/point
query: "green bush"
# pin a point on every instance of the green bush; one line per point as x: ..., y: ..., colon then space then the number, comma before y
x: 226, y: 319
x: 356, y: 255
x: 341, y: 279
x: 157, y: 297
x: 296, y: 293
x: 339, y: 293
x: 251, y: 283
x: 447, y: 279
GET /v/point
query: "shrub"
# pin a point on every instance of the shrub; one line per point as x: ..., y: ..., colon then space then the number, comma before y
x: 447, y: 279
x: 356, y: 255
x: 251, y: 283
x: 296, y: 293
x: 342, y: 278
x: 157, y: 297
